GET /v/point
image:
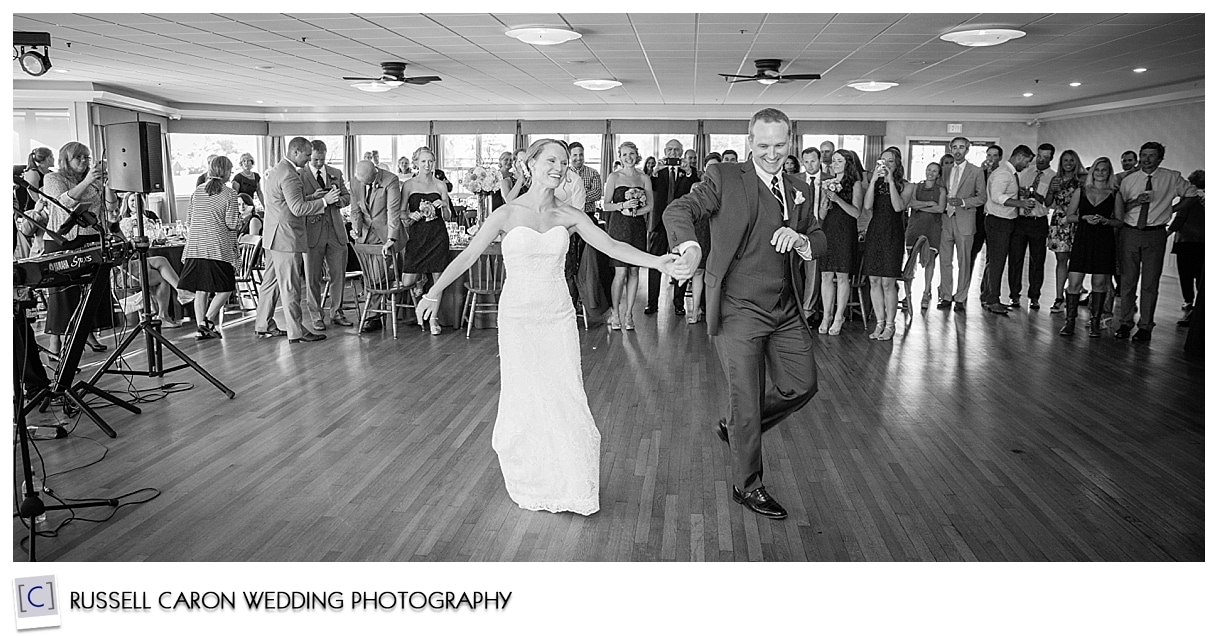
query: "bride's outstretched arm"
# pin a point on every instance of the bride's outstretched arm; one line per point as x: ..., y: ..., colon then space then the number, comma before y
x: 598, y: 239
x: 490, y: 229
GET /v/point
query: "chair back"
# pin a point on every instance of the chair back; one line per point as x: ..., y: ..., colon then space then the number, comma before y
x: 249, y: 248
x: 488, y: 274
x: 377, y: 268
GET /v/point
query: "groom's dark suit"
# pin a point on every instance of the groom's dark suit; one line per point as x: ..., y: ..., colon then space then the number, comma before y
x: 668, y: 185
x: 753, y: 296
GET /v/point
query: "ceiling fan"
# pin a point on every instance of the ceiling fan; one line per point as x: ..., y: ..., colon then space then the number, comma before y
x: 767, y: 73
x: 393, y: 75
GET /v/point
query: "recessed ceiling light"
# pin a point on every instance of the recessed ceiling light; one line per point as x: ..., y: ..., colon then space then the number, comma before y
x: 871, y: 86
x: 543, y: 36
x: 1027, y: 94
x: 264, y: 67
x: 982, y: 37
x: 597, y: 84
x: 257, y: 101
x: 60, y: 70
x: 1076, y: 84
x: 1139, y: 70
x: 372, y: 87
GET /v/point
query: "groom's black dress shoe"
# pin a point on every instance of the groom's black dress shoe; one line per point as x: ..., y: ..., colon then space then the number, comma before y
x: 649, y: 310
x: 760, y: 502
x: 721, y: 431
x: 680, y: 311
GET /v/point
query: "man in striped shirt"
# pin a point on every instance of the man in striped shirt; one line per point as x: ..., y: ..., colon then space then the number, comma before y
x: 593, y: 192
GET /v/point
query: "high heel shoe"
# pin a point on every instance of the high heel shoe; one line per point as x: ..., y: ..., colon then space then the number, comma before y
x: 879, y: 329
x: 97, y: 348
x: 628, y: 322
x: 694, y: 317
x: 614, y: 324
x: 836, y: 328
x: 824, y: 325
x: 889, y: 330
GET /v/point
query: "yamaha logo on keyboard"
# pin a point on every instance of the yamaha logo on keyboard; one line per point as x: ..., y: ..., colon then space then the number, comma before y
x: 77, y: 260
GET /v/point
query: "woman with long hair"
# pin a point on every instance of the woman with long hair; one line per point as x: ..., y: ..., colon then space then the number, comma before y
x: 29, y: 237
x: 425, y: 209
x: 887, y: 199
x: 404, y: 171
x: 790, y: 165
x: 162, y: 278
x: 211, y: 256
x: 1070, y: 176
x: 840, y: 207
x: 926, y: 219
x: 545, y: 437
x: 506, y: 163
x: 628, y: 200
x: 649, y: 166
x: 1097, y: 209
x: 79, y: 184
x: 513, y: 181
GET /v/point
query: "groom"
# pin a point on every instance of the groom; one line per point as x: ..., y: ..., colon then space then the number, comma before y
x: 762, y: 228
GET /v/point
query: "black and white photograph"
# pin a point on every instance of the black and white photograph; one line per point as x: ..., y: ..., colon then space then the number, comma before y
x: 609, y: 287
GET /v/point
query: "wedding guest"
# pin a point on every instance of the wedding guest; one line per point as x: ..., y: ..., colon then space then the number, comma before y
x: 79, y: 182
x: 1142, y: 241
x: 697, y: 284
x: 628, y: 200
x: 506, y: 163
x: 247, y: 181
x: 1031, y: 234
x: 1096, y: 208
x: 1070, y: 176
x: 965, y: 185
x: 210, y: 257
x: 251, y: 219
x: 1002, y: 205
x: 841, y: 205
x: 649, y: 166
x: 517, y: 183
x: 203, y: 177
x: 729, y: 156
x: 827, y: 148
x: 926, y: 220
x: 1189, y: 227
x: 404, y: 171
x: 791, y: 165
x: 426, y: 208
x: 162, y: 278
x: 886, y: 200
x: 29, y: 237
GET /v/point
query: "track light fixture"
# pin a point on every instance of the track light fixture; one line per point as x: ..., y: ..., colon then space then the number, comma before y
x: 25, y: 51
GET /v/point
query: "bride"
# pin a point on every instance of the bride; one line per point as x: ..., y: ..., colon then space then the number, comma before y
x: 548, y: 445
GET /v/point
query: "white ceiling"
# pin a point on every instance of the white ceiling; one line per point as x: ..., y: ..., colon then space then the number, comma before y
x: 189, y: 60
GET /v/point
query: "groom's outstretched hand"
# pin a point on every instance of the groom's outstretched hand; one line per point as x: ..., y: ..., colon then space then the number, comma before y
x: 785, y: 239
x: 687, y: 263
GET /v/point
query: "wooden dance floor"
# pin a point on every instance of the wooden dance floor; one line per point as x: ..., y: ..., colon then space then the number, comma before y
x: 969, y: 437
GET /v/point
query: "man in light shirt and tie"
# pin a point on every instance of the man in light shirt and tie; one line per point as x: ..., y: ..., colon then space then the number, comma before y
x: 814, y: 174
x: 1142, y: 240
x: 1031, y: 233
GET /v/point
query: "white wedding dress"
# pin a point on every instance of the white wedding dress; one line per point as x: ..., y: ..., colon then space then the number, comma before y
x: 548, y: 445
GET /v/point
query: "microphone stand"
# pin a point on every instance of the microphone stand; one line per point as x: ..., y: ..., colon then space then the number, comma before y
x: 150, y: 326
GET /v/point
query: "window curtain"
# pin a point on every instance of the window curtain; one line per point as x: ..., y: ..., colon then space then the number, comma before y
x: 873, y: 146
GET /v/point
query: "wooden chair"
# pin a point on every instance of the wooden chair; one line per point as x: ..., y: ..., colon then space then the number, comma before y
x: 381, y: 285
x: 485, y: 280
x: 249, y: 249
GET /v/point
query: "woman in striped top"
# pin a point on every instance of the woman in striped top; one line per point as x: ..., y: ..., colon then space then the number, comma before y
x: 210, y: 256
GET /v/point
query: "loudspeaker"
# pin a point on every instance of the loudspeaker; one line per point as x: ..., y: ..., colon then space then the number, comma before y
x: 133, y: 151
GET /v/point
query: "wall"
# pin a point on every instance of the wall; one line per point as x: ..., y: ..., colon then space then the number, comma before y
x: 1181, y: 128
x: 1009, y: 134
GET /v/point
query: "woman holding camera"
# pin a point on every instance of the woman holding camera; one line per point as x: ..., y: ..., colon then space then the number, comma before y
x: 78, y: 185
x: 886, y: 199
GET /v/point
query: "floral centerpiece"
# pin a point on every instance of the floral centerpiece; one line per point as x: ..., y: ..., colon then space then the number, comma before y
x: 482, y: 181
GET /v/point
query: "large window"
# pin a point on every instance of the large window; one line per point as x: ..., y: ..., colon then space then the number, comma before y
x: 191, y: 150
x: 40, y: 128
x: 650, y: 145
x: 462, y: 152
x: 390, y: 148
x: 922, y: 152
x: 855, y: 143
x: 335, y: 147
x: 739, y: 143
x: 591, y: 143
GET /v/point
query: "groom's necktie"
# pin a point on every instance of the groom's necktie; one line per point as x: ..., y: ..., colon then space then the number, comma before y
x: 777, y: 191
x: 321, y: 180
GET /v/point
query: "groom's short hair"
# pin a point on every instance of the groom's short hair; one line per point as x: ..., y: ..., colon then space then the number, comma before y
x: 770, y: 115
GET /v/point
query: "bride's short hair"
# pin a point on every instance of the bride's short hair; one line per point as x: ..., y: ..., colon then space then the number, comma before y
x: 536, y: 147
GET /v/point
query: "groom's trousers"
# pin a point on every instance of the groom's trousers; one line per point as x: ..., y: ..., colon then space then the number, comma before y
x: 771, y: 373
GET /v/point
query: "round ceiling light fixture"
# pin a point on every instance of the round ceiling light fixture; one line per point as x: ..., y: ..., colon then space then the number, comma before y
x: 982, y: 37
x: 1139, y: 70
x: 1027, y: 94
x: 372, y: 87
x: 543, y: 36
x: 1075, y: 84
x: 597, y: 84
x: 34, y: 63
x: 871, y: 86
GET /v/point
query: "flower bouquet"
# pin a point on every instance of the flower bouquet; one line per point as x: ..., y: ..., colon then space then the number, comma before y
x: 637, y: 194
x: 429, y: 210
x: 480, y: 180
x: 833, y: 185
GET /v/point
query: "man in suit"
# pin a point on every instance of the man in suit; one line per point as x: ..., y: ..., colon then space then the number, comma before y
x: 327, y: 239
x: 762, y: 228
x: 965, y: 192
x: 729, y: 156
x: 1002, y: 206
x: 813, y: 175
x: 668, y: 183
x: 376, y: 214
x: 1031, y: 233
x: 285, y: 240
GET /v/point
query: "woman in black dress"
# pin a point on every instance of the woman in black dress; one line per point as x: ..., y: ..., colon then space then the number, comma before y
x: 426, y: 208
x: 926, y: 219
x: 506, y: 163
x: 247, y: 181
x: 628, y: 200
x: 1097, y: 208
x: 839, y: 213
x: 887, y: 199
x: 78, y: 182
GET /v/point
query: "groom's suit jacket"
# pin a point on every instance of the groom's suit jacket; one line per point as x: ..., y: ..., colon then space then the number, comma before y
x: 735, y: 199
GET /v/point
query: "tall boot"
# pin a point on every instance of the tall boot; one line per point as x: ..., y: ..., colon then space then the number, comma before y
x: 1071, y: 314
x: 1097, y: 308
